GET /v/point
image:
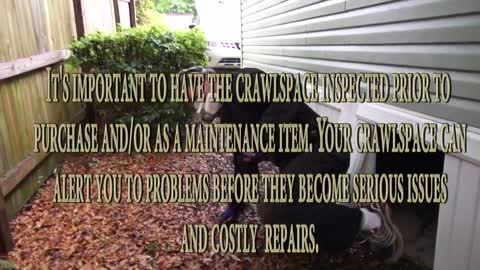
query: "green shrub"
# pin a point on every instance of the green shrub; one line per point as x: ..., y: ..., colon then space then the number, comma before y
x: 142, y: 8
x: 175, y: 6
x: 145, y: 49
x: 155, y: 18
x: 147, y: 14
x: 140, y: 49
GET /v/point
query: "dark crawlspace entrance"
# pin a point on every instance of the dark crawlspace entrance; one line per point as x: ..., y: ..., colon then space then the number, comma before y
x: 417, y: 221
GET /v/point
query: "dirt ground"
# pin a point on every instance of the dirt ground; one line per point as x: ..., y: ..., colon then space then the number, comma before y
x: 125, y: 235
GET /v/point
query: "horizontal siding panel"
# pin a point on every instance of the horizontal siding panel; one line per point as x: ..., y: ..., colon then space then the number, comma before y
x: 271, y: 67
x: 320, y: 9
x: 459, y: 57
x: 249, y: 3
x: 257, y: 6
x: 458, y: 109
x: 297, y: 39
x: 464, y: 84
x: 353, y: 4
x: 381, y: 14
x: 465, y: 29
x: 284, y: 12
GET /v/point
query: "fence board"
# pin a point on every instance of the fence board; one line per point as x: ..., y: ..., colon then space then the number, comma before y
x: 98, y: 15
x: 33, y: 34
x: 116, y: 10
x: 133, y: 17
x: 23, y: 65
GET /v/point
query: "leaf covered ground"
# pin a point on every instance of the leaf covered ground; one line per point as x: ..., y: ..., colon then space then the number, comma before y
x: 95, y: 235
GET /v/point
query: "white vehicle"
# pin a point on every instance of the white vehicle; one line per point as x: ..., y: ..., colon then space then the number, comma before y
x: 220, y: 20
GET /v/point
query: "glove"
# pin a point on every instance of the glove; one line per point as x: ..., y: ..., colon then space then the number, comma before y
x: 252, y: 157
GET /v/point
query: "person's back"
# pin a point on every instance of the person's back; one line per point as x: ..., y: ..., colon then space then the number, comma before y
x: 336, y: 226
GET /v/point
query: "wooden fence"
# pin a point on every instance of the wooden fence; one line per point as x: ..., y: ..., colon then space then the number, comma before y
x: 35, y: 34
x: 105, y: 15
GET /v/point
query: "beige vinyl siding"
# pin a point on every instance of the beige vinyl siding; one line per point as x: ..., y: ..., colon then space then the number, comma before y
x: 388, y: 36
x: 372, y: 36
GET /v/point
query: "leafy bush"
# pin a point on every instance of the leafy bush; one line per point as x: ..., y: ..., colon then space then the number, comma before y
x: 147, y: 14
x: 155, y: 18
x: 141, y: 49
x: 175, y: 6
x: 142, y: 7
x: 145, y: 49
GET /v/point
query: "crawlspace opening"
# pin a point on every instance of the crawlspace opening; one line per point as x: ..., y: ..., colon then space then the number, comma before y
x: 417, y: 221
